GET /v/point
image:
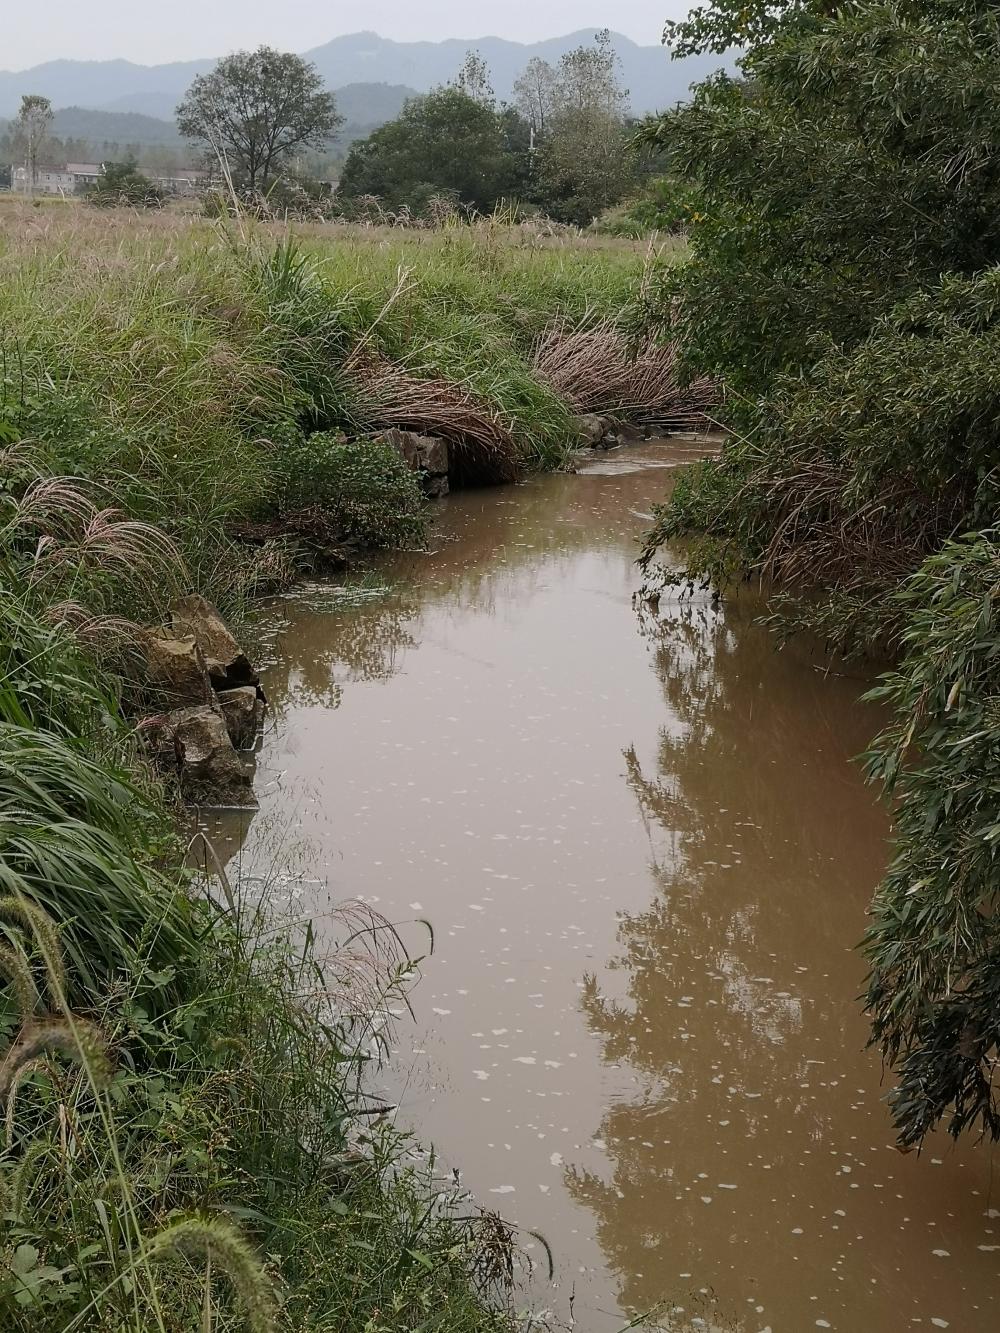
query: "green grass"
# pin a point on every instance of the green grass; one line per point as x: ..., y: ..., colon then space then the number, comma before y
x: 308, y: 1212
x: 160, y: 355
x: 187, y: 1141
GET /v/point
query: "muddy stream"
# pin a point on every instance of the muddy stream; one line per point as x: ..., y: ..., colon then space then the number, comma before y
x: 646, y: 855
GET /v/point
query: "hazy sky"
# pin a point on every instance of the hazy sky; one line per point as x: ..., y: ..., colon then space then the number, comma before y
x: 154, y: 31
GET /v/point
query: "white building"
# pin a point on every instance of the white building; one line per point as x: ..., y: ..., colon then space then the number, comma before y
x: 48, y: 180
x: 73, y: 178
x: 85, y: 174
x: 78, y: 177
x: 185, y: 180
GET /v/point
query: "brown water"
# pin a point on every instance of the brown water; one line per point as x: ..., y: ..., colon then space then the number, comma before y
x: 647, y: 857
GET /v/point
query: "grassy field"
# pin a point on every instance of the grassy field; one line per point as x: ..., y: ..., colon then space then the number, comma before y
x: 168, y: 358
x: 186, y: 1141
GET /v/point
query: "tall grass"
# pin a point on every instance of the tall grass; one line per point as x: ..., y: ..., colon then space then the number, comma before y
x: 187, y: 1142
x: 160, y: 356
x: 225, y: 1170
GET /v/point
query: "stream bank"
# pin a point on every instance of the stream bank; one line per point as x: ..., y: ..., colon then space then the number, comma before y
x: 647, y: 856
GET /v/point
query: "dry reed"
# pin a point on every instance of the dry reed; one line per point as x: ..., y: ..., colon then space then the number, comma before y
x: 823, y: 535
x: 594, y: 368
x: 482, y: 451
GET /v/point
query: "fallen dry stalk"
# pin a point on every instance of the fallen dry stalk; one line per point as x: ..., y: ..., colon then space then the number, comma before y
x: 481, y: 449
x: 594, y: 369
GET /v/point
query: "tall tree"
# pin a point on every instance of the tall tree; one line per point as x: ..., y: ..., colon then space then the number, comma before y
x: 474, y: 79
x: 589, y: 80
x: 256, y: 109
x: 445, y: 142
x: 31, y: 129
x: 534, y: 93
x: 582, y: 166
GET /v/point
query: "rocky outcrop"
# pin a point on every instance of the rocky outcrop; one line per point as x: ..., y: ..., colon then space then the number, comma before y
x: 243, y: 711
x: 228, y: 666
x: 603, y: 432
x: 176, y: 671
x: 427, y: 454
x: 195, y: 746
x: 213, y: 705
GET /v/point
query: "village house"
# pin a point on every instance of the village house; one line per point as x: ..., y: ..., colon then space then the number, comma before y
x: 78, y: 177
x: 185, y: 180
x: 72, y: 178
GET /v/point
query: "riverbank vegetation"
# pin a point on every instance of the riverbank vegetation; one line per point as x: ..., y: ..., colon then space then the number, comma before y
x: 201, y: 1153
x: 183, y: 366
x: 188, y: 1137
x: 842, y: 288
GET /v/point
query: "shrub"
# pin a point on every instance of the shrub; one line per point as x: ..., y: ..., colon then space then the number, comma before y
x: 934, y: 942
x: 665, y: 204
x: 122, y: 185
x: 369, y: 492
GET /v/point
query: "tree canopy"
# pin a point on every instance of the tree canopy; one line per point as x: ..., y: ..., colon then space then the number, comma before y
x: 445, y: 142
x: 561, y: 147
x: 582, y: 165
x: 31, y: 130
x: 256, y: 110
x: 843, y: 288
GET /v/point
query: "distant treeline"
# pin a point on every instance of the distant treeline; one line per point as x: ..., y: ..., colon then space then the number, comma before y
x: 83, y: 134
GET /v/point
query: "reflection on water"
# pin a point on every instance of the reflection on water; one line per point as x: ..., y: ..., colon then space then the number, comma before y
x: 647, y: 857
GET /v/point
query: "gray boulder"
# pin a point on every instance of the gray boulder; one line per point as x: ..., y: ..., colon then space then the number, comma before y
x: 176, y: 671
x: 433, y: 455
x: 243, y: 711
x: 406, y: 443
x: 423, y: 453
x: 228, y: 666
x: 194, y: 744
x: 591, y: 428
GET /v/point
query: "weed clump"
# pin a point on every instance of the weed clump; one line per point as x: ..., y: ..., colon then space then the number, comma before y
x: 369, y: 493
x: 220, y: 1245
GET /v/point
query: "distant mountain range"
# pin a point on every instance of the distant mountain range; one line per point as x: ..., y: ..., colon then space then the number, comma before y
x: 653, y: 79
x: 131, y: 127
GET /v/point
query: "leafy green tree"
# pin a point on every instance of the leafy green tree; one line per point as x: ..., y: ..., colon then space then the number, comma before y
x: 844, y: 289
x: 256, y: 110
x: 445, y: 142
x: 842, y: 177
x: 582, y: 166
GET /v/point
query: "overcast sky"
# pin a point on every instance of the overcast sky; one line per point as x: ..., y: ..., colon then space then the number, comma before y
x: 152, y: 33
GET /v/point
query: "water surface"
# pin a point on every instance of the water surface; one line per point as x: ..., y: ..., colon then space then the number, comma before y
x: 647, y: 856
